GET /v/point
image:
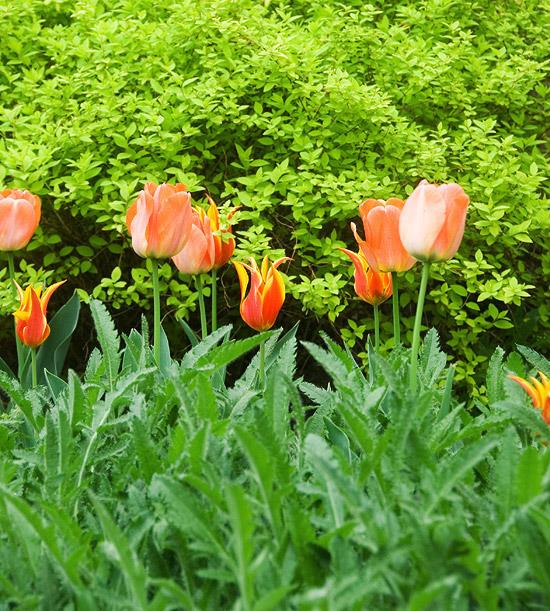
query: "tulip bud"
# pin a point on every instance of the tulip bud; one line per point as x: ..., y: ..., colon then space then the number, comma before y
x: 19, y: 218
x: 370, y: 286
x: 31, y: 324
x: 160, y: 220
x: 260, y: 308
x: 382, y: 246
x: 432, y: 221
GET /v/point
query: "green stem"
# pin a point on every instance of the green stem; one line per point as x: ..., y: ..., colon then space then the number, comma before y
x: 262, y: 365
x: 33, y: 368
x: 18, y: 345
x: 156, y: 310
x: 204, y: 325
x: 417, y: 325
x: 395, y: 304
x: 376, y: 328
x: 214, y: 300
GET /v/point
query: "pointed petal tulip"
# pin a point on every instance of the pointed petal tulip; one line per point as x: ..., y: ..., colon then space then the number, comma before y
x: 382, y: 246
x: 260, y: 308
x: 432, y: 221
x: 538, y: 391
x: 19, y: 217
x: 160, y: 220
x: 370, y: 286
x: 223, y: 238
x: 31, y: 323
x: 197, y: 256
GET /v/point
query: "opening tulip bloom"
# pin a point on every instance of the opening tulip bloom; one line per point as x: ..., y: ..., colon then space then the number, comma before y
x: 370, y: 286
x: 382, y: 246
x: 31, y: 323
x: 19, y: 218
x: 160, y: 220
x: 260, y: 308
x: 198, y: 254
x: 224, y: 242
x: 432, y: 221
x: 539, y: 393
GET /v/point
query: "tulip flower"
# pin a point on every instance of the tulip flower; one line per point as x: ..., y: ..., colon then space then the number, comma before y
x: 260, y: 308
x: 19, y: 218
x: 160, y: 220
x: 431, y: 229
x: 160, y: 223
x: 370, y: 286
x: 432, y: 221
x: 382, y: 246
x: 31, y: 323
x: 539, y: 392
x: 198, y: 254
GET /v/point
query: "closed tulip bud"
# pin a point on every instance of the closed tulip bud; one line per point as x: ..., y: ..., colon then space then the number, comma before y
x: 382, y: 246
x: 198, y: 254
x: 370, y: 286
x: 224, y: 241
x: 30, y: 319
x: 159, y: 221
x: 432, y: 221
x: 539, y: 392
x: 19, y: 218
x: 260, y: 308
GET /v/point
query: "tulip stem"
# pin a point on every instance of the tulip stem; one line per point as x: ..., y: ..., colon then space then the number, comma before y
x: 33, y: 368
x: 204, y: 325
x: 262, y: 365
x: 214, y: 299
x: 395, y: 304
x: 417, y: 325
x: 156, y: 310
x: 376, y: 328
x: 18, y: 345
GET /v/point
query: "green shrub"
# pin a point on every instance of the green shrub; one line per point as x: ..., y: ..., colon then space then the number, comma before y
x: 296, y: 111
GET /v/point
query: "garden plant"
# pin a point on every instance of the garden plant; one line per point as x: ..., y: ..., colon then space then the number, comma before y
x: 222, y: 158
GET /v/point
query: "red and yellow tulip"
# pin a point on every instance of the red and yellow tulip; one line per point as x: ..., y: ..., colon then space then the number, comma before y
x: 432, y: 221
x: 30, y: 319
x: 370, y: 286
x: 260, y: 308
x: 539, y: 391
x: 160, y: 220
x: 19, y: 218
x: 382, y: 246
x: 224, y: 242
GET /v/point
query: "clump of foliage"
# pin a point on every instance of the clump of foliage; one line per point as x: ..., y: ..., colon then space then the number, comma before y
x: 178, y: 488
x: 297, y: 111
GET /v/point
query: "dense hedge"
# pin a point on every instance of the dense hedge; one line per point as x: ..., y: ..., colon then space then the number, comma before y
x: 296, y: 111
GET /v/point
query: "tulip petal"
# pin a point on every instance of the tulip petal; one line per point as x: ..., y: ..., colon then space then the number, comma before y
x: 45, y: 299
x: 18, y: 222
x: 450, y: 236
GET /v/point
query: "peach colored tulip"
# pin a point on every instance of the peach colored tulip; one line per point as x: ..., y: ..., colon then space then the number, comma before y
x: 260, y: 308
x: 19, y: 218
x: 159, y: 221
x: 382, y: 245
x: 539, y: 393
x: 432, y: 221
x: 224, y: 241
x: 30, y: 319
x: 198, y: 255
x: 370, y: 286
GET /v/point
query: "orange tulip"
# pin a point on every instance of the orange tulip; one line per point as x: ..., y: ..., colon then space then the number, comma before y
x: 30, y: 319
x: 198, y: 254
x: 259, y: 309
x: 382, y: 245
x: 160, y: 220
x: 19, y: 218
x: 370, y: 286
x: 539, y: 393
x: 432, y: 221
x: 224, y: 241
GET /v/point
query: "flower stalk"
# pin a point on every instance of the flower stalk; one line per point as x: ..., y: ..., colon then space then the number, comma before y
x: 417, y: 325
x: 156, y: 310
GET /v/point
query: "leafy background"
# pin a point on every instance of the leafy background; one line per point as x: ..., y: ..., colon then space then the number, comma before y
x: 296, y: 111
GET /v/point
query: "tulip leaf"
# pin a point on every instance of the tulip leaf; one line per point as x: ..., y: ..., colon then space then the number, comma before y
x: 6, y: 368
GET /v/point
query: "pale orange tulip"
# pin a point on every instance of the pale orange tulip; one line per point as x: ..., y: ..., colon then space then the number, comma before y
x: 19, y: 218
